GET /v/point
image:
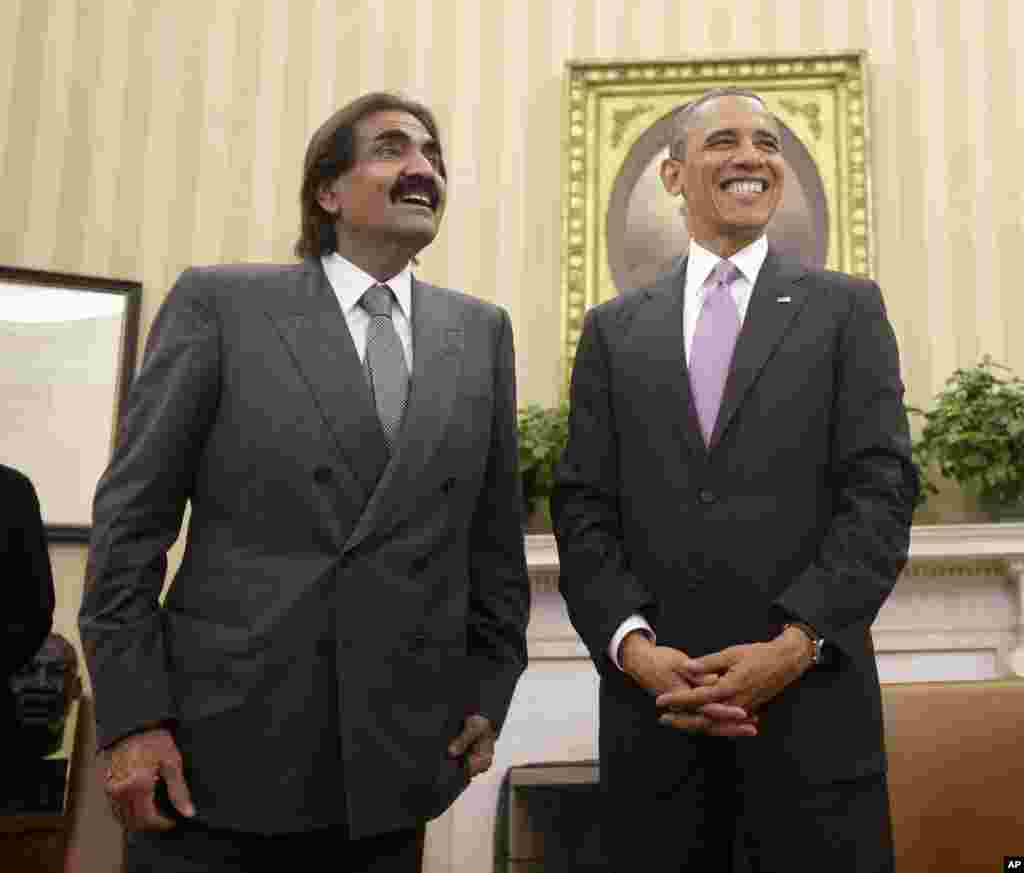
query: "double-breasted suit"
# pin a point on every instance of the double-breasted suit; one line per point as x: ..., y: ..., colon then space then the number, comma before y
x: 337, y: 613
x: 798, y: 509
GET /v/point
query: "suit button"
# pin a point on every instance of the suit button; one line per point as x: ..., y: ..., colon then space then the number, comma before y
x: 706, y: 496
x: 322, y: 475
x: 419, y: 565
x: 448, y: 484
x: 417, y: 643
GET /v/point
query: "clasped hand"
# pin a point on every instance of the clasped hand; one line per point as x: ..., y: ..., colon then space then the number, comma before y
x: 718, y: 694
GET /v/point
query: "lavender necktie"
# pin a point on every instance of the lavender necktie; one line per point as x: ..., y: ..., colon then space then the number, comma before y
x: 718, y: 326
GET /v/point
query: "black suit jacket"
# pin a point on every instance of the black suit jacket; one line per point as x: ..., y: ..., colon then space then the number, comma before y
x: 326, y: 633
x: 28, y: 590
x: 25, y: 568
x: 800, y: 509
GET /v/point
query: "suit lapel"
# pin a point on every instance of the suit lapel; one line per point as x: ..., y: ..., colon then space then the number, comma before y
x: 312, y: 325
x: 774, y: 303
x: 660, y: 324
x: 437, y: 345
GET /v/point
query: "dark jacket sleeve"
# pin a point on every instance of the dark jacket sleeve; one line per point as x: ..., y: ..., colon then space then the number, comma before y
x: 499, y: 583
x: 138, y: 509
x: 595, y: 579
x: 28, y: 578
x: 874, y: 480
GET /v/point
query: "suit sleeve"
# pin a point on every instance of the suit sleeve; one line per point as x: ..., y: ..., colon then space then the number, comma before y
x: 137, y: 514
x: 29, y: 578
x: 875, y: 484
x: 499, y: 604
x: 595, y: 578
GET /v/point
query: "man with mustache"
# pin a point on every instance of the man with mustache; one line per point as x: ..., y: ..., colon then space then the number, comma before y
x: 337, y: 652
x: 732, y: 510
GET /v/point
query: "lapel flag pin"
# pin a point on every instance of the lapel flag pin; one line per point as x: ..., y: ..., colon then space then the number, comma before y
x: 783, y: 299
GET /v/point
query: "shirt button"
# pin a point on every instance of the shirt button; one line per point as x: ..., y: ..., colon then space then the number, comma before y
x: 706, y: 496
x: 322, y: 475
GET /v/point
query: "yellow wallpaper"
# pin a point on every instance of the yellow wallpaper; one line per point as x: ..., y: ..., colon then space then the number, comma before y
x: 141, y: 136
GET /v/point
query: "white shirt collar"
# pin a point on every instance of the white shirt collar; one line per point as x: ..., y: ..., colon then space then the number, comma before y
x: 699, y: 265
x: 350, y: 283
x: 747, y: 260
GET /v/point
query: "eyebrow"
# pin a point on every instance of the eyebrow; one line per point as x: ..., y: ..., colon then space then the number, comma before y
x: 399, y: 135
x: 732, y: 131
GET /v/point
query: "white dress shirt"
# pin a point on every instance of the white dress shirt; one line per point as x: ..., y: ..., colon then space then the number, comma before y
x: 350, y: 283
x: 699, y: 264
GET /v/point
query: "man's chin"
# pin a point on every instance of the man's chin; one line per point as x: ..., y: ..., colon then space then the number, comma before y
x: 747, y: 230
x: 415, y: 233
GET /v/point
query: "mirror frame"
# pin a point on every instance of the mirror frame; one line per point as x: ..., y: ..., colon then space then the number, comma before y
x: 125, y: 368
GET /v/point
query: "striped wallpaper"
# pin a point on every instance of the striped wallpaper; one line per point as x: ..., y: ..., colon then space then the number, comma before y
x: 142, y: 136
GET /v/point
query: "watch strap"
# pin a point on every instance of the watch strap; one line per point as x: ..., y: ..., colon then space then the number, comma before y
x: 817, y: 655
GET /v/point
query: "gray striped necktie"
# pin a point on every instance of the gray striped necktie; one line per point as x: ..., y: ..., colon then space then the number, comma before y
x: 385, y: 365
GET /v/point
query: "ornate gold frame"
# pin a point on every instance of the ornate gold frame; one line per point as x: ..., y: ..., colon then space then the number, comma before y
x: 822, y: 98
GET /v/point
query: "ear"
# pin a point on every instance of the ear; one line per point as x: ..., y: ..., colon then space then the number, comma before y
x: 672, y: 177
x: 329, y: 198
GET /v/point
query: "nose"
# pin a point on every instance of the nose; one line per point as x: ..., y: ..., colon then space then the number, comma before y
x: 747, y: 154
x: 418, y: 165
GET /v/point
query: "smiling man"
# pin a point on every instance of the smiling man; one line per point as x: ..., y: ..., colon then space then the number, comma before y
x: 338, y: 650
x: 732, y: 510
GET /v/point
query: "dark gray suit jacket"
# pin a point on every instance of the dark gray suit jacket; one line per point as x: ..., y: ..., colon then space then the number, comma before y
x: 325, y: 634
x: 800, y: 509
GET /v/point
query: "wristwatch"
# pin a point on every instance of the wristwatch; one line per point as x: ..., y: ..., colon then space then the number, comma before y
x: 818, y: 655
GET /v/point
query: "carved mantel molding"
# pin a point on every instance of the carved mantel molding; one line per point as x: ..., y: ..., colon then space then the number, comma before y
x: 962, y: 589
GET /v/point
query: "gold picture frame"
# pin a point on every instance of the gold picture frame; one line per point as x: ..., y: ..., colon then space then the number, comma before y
x: 617, y: 123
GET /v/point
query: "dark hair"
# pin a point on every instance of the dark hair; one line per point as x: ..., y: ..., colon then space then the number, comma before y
x: 685, y: 113
x: 332, y: 152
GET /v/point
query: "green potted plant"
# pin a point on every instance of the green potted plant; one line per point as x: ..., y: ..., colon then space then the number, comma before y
x: 542, y: 436
x: 974, y: 435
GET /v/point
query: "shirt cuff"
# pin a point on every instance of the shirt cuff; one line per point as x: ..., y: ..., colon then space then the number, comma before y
x: 634, y: 622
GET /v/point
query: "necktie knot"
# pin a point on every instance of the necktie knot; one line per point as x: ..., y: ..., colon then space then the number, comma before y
x: 376, y: 300
x: 722, y: 276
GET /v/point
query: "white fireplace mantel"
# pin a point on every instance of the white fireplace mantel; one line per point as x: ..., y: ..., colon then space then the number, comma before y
x: 962, y: 590
x: 951, y: 543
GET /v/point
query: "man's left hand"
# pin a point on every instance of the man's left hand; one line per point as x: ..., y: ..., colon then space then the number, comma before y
x: 475, y: 745
x: 750, y: 675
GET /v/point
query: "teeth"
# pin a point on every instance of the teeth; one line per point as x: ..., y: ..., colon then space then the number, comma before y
x: 745, y: 187
x: 417, y: 198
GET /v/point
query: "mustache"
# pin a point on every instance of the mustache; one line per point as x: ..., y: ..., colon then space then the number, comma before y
x: 424, y: 185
